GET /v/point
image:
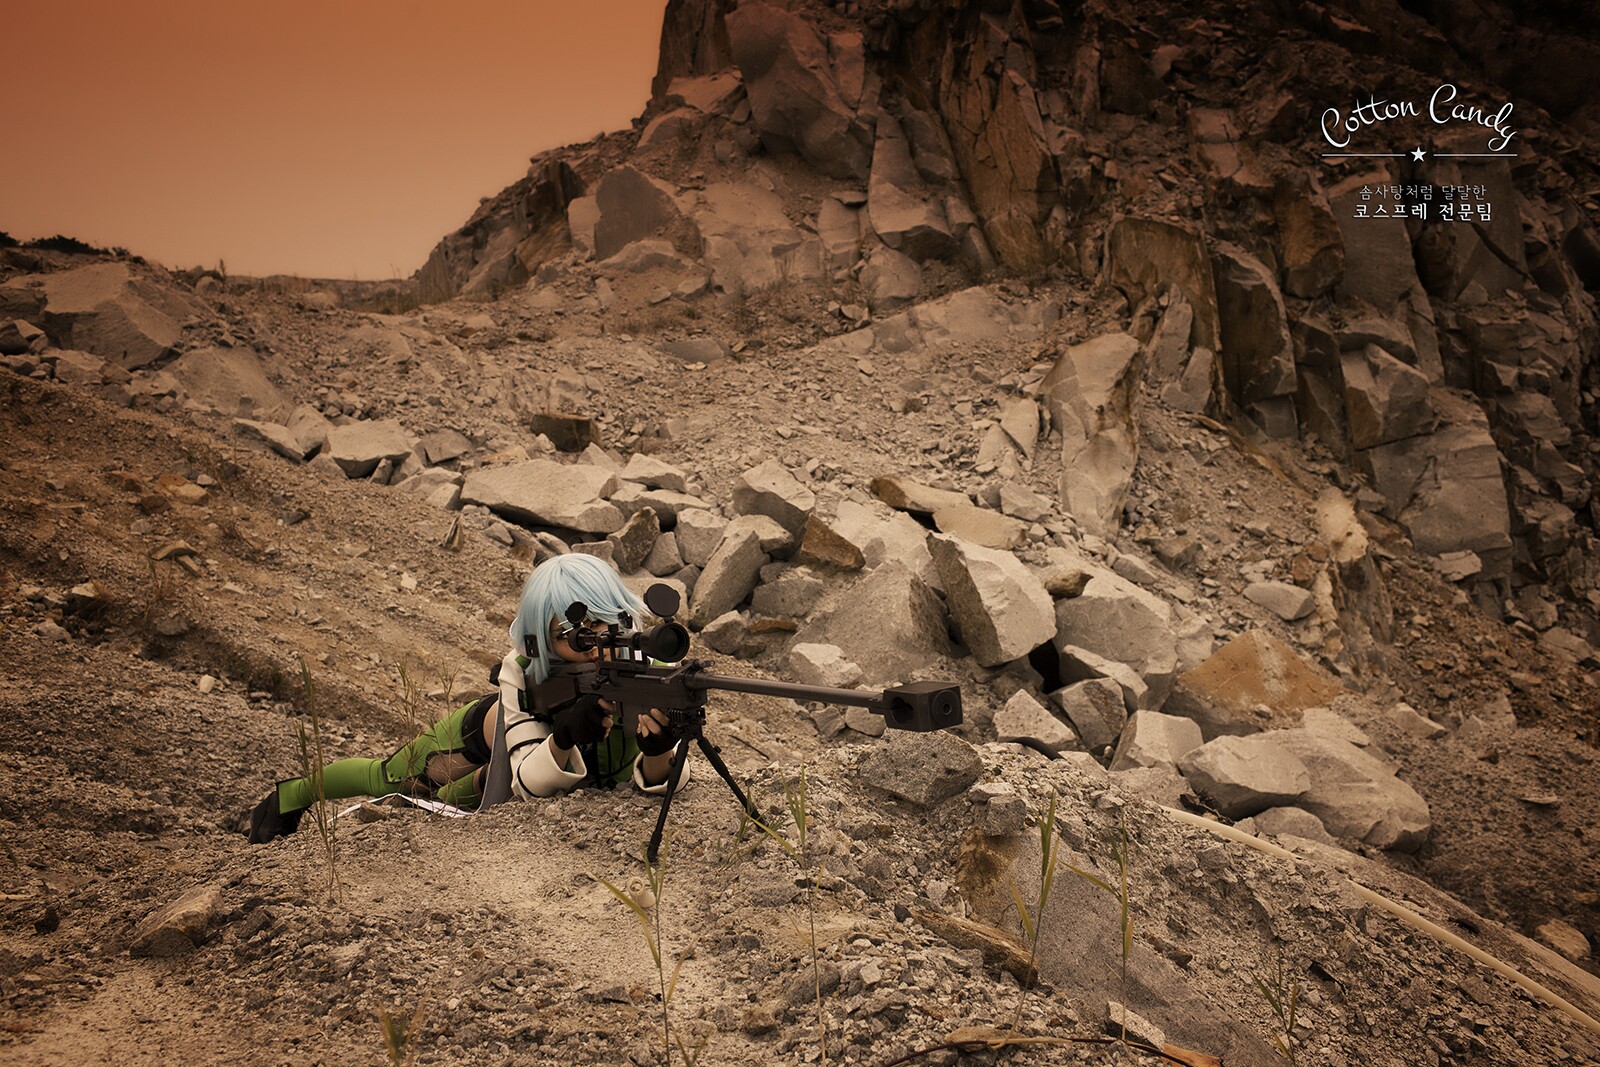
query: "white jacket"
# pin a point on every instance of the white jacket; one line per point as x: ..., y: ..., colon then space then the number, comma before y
x: 534, y: 772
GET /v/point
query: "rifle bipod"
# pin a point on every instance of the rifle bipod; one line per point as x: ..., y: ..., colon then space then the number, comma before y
x: 692, y: 728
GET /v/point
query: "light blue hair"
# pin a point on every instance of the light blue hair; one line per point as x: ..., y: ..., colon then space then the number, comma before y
x: 555, y: 584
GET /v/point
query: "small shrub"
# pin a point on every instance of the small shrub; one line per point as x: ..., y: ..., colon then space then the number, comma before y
x: 799, y: 850
x: 411, y: 697
x: 1033, y: 923
x: 160, y: 594
x: 62, y: 243
x: 643, y: 898
x: 400, y: 1035
x: 1282, y: 995
x: 311, y: 763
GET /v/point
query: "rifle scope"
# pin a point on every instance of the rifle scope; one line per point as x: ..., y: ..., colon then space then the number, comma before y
x: 667, y: 642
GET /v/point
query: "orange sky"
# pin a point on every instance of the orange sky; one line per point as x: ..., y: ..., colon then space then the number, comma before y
x: 333, y: 139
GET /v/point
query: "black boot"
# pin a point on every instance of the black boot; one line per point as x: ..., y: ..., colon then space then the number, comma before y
x: 267, y: 822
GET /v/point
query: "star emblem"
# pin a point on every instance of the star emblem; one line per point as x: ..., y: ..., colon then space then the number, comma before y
x: 1417, y: 154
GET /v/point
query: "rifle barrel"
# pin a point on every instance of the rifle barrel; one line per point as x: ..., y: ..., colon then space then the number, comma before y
x: 873, y: 699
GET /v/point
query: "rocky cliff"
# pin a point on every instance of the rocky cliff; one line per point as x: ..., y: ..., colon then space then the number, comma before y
x: 1177, y: 158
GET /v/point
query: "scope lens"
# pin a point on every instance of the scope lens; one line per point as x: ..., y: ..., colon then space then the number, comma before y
x: 668, y: 642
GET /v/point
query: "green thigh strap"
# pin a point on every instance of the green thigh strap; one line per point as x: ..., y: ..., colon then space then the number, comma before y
x: 373, y: 778
x: 443, y: 736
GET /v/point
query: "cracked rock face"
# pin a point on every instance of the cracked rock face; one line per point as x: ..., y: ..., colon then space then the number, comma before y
x: 794, y: 90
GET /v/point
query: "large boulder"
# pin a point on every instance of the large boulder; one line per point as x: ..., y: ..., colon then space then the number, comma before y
x: 113, y: 312
x: 672, y: 128
x: 271, y: 434
x: 839, y: 229
x: 1257, y: 353
x: 823, y: 546
x: 903, y: 219
x: 1167, y: 351
x: 1023, y: 716
x: 892, y: 279
x: 698, y: 532
x: 1096, y: 710
x: 1245, y: 684
x: 889, y: 622
x: 1152, y: 739
x: 1447, y: 488
x: 770, y: 490
x: 925, y: 769
x: 228, y: 380
x: 632, y: 544
x: 882, y: 534
x: 997, y: 135
x: 1287, y: 601
x: 903, y: 494
x: 709, y: 94
x: 547, y: 493
x: 747, y: 240
x: 981, y: 526
x: 1079, y: 665
x: 1145, y: 255
x: 583, y: 216
x: 651, y: 472
x: 309, y: 427
x: 930, y: 147
x: 18, y: 336
x: 1019, y: 418
x: 358, y: 447
x: 632, y: 206
x: 794, y: 92
x: 1116, y: 619
x: 1385, y: 400
x: 972, y: 318
x: 1244, y: 775
x: 1000, y: 608
x: 728, y: 577
x: 1219, y: 145
x: 1091, y: 394
x: 666, y: 503
x: 1354, y: 793
x: 822, y: 665
x: 179, y: 927
x: 788, y: 595
x: 1312, y: 246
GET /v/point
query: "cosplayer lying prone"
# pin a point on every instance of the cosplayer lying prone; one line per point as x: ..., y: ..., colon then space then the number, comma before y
x: 574, y: 744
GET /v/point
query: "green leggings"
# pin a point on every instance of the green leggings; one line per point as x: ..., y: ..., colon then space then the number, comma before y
x: 404, y: 772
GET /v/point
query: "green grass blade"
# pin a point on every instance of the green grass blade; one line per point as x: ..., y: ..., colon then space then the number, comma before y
x: 783, y: 842
x: 1022, y: 911
x: 1091, y: 879
x: 639, y: 913
x: 1048, y: 882
x: 1267, y: 995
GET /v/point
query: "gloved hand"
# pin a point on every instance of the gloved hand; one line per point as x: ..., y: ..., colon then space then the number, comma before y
x: 583, y: 722
x: 665, y: 739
